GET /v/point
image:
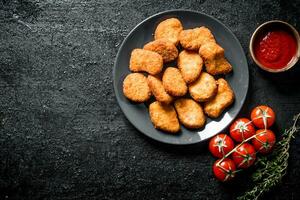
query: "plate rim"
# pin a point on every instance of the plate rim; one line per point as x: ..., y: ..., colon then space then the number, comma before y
x: 119, y: 52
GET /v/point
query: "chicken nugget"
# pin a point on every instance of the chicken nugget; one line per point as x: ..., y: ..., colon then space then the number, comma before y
x: 158, y: 90
x: 204, y: 88
x: 190, y: 113
x: 222, y: 100
x: 190, y: 65
x: 173, y: 82
x: 164, y: 47
x: 145, y: 61
x: 192, y: 39
x: 169, y: 29
x: 135, y: 88
x: 164, y: 117
x: 214, y: 59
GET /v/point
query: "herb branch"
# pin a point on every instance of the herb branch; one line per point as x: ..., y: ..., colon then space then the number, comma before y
x: 271, y: 170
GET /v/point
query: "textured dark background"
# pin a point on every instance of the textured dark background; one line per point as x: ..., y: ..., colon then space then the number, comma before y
x: 62, y: 134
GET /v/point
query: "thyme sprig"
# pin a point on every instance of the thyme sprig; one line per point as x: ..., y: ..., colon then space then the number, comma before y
x: 270, y: 170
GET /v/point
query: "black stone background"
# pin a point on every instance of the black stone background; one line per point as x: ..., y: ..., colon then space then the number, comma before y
x: 62, y: 134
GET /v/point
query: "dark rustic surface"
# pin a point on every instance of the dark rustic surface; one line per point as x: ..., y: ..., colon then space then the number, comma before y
x: 62, y: 134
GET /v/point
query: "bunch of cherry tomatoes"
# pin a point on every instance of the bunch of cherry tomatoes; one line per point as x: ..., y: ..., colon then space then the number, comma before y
x: 238, y: 151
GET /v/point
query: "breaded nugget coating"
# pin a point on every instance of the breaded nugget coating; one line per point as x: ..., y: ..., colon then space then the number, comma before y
x: 190, y: 65
x: 169, y: 29
x: 204, y: 88
x: 164, y: 47
x: 145, y: 61
x: 190, y: 113
x: 173, y: 82
x: 135, y: 88
x: 164, y: 117
x: 158, y: 90
x: 192, y: 39
x: 210, y: 50
x: 214, y: 59
x: 222, y: 100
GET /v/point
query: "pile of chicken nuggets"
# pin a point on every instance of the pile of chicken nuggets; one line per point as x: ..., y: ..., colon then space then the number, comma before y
x: 184, y: 94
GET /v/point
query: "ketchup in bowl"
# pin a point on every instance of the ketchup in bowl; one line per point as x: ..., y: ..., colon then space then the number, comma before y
x: 275, y: 48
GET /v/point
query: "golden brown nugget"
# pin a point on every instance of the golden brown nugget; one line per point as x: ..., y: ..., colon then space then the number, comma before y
x: 222, y: 100
x: 214, y: 59
x: 164, y: 47
x: 135, y: 88
x: 192, y: 39
x: 158, y: 90
x: 173, y: 82
x: 190, y: 113
x: 204, y: 88
x: 169, y: 29
x: 190, y: 65
x: 164, y: 117
x: 145, y: 61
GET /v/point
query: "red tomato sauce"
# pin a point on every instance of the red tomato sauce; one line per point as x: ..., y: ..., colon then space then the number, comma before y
x: 275, y: 49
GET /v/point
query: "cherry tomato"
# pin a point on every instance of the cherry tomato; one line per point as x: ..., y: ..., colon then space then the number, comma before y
x: 241, y: 129
x: 264, y: 141
x: 220, y: 145
x: 224, y: 170
x: 263, y: 116
x: 244, y: 156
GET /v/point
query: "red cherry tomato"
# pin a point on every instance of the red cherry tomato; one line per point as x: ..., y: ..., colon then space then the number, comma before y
x: 244, y: 156
x: 224, y: 170
x: 264, y: 141
x: 263, y: 116
x: 241, y: 129
x: 220, y: 145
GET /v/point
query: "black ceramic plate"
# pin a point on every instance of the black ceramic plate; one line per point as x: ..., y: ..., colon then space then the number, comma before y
x: 138, y: 114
